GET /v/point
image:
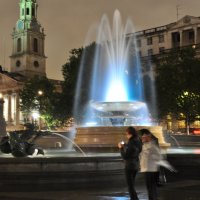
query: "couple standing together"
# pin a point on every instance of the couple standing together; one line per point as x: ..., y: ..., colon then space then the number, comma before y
x: 141, y: 154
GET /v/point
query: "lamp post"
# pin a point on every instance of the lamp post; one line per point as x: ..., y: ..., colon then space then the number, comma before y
x: 2, y: 120
x: 40, y: 93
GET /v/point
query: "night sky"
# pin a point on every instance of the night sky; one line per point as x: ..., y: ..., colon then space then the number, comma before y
x: 66, y: 22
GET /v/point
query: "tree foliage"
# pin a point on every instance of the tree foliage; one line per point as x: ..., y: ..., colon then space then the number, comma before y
x: 178, y: 90
x: 57, y: 108
x: 38, y: 95
x: 80, y: 59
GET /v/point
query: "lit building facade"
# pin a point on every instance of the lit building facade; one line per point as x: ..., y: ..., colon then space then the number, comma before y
x: 27, y: 60
x: 153, y: 41
x: 28, y: 56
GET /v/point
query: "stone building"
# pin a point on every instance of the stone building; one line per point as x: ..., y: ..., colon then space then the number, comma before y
x: 27, y: 60
x: 28, y: 56
x: 152, y: 42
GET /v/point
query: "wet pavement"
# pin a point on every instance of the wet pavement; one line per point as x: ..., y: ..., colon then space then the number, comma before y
x: 185, y: 185
x: 118, y: 194
x: 178, y: 190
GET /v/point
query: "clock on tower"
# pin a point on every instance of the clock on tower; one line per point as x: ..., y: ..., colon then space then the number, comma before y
x: 20, y: 25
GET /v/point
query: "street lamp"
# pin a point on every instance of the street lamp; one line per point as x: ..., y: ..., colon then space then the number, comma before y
x: 40, y: 93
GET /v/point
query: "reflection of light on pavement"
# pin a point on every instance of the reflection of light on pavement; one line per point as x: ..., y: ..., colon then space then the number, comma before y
x: 112, y: 198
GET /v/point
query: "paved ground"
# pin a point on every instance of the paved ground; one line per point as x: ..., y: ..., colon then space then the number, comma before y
x: 178, y: 190
x: 186, y: 188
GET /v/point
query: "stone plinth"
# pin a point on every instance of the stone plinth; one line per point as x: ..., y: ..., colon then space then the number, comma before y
x: 100, y: 139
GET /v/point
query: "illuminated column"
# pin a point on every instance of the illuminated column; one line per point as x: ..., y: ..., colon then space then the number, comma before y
x: 195, y: 35
x: 13, y: 107
x: 17, y: 110
x: 9, y: 109
x: 2, y: 120
x: 181, y: 38
x: 5, y: 110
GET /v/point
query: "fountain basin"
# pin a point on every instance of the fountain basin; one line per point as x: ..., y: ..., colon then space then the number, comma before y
x: 106, y: 138
x: 61, y: 172
x: 127, y: 106
x: 121, y: 113
x: 53, y: 172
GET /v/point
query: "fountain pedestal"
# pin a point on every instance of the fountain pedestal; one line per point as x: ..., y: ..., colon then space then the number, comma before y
x: 106, y: 138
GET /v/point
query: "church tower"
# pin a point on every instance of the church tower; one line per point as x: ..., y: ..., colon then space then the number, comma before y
x: 28, y: 36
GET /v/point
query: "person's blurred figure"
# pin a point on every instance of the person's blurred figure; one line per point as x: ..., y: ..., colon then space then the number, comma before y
x: 130, y: 153
x: 149, y: 159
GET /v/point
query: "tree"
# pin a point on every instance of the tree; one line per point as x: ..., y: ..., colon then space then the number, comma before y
x: 80, y: 59
x: 56, y: 108
x: 38, y: 96
x: 177, y: 73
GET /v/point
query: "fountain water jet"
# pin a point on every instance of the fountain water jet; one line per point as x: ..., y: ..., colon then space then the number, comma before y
x: 116, y: 93
x: 73, y: 143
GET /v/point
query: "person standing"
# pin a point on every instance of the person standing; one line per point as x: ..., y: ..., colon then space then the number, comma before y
x: 130, y: 153
x: 149, y: 159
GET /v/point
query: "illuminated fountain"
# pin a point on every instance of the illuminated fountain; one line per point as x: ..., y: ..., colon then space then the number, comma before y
x: 116, y: 101
x: 116, y: 93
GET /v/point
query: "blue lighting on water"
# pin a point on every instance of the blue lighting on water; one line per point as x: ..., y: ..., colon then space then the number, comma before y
x: 116, y: 92
x: 115, y: 74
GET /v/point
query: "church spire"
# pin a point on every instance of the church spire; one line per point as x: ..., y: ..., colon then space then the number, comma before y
x: 28, y: 15
x: 28, y: 9
x: 28, y: 57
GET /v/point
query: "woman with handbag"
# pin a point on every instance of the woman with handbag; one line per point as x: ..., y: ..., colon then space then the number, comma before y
x: 149, y: 158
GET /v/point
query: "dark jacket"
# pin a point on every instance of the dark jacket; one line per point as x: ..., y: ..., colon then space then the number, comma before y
x: 130, y: 153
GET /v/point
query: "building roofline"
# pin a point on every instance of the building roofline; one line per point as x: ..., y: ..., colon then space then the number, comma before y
x: 158, y: 28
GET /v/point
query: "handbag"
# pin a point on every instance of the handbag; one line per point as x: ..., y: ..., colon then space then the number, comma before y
x: 161, y: 180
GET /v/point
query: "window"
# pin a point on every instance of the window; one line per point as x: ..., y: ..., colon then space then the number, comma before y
x: 191, y: 35
x: 149, y: 41
x: 19, y: 44
x: 139, y: 43
x: 161, y: 49
x: 35, y: 45
x: 150, y: 52
x: 161, y: 38
x: 140, y: 54
x: 176, y: 37
x: 33, y: 12
x: 18, y: 63
x: 27, y: 11
x: 36, y: 64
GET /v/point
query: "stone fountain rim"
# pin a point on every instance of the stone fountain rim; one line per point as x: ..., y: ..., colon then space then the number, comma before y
x: 106, y: 106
